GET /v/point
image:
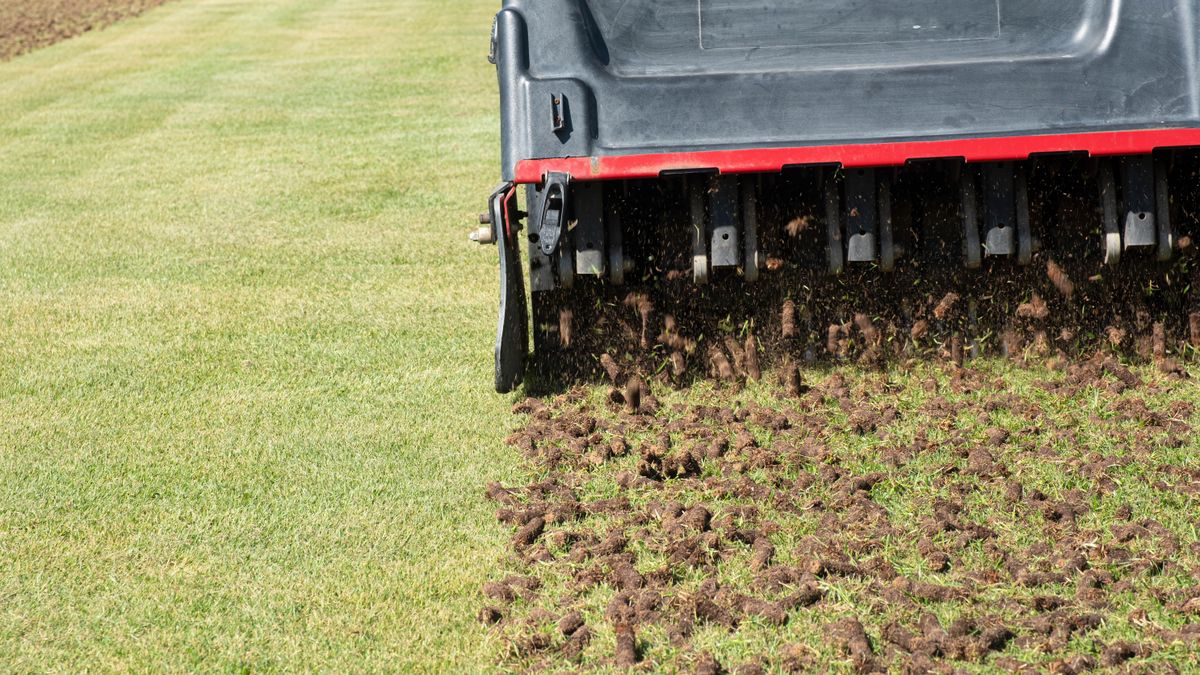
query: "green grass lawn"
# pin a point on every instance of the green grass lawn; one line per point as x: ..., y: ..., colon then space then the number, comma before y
x: 245, y: 349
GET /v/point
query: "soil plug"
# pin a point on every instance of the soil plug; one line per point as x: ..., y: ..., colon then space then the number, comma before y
x: 1061, y: 281
x: 678, y: 365
x: 633, y: 395
x: 789, y: 320
x: 945, y: 306
x: 867, y: 327
x: 919, y: 330
x: 570, y: 623
x: 831, y: 339
x: 1159, y: 341
x: 490, y: 616
x: 752, y: 369
x: 626, y: 656
x: 529, y: 533
x: 853, y: 637
x: 707, y: 664
x: 1010, y: 343
x: 645, y: 308
x: 670, y: 336
x: 720, y: 364
x: 610, y: 368
x: 642, y: 305
x: 790, y: 375
x: 738, y: 354
x: 763, y: 551
x: 565, y: 319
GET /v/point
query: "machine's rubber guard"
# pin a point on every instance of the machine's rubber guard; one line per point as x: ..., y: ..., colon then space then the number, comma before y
x: 512, y: 339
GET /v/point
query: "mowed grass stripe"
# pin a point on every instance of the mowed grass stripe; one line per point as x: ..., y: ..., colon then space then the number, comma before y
x: 244, y: 351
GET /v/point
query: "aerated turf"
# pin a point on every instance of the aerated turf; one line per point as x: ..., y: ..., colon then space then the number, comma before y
x: 922, y: 519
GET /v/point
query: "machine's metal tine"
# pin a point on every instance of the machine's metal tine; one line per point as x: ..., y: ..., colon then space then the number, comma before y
x: 1162, y: 194
x: 999, y: 200
x: 1108, y: 203
x: 861, y: 215
x: 833, y: 223
x: 887, y: 246
x: 973, y: 251
x: 724, y: 213
x: 1138, y: 205
x: 699, y: 223
x: 588, y: 235
x: 750, y: 253
x: 1024, y: 231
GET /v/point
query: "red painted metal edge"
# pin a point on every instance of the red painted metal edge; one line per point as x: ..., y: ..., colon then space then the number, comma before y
x: 770, y: 160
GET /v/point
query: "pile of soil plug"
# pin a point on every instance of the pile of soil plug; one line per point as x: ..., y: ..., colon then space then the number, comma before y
x: 26, y: 25
x: 920, y: 518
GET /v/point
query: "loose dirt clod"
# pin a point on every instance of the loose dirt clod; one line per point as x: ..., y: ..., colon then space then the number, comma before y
x: 797, y: 226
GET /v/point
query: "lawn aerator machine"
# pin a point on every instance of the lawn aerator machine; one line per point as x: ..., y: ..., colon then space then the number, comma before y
x: 732, y: 144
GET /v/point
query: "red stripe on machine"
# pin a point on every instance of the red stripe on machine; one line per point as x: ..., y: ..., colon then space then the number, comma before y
x: 771, y: 160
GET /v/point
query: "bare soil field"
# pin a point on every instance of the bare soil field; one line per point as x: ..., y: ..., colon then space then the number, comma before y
x: 26, y: 25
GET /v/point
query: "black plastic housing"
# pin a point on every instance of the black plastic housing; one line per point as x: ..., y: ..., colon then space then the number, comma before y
x: 596, y: 78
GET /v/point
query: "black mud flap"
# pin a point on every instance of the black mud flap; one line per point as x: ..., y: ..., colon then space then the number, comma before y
x: 512, y: 335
